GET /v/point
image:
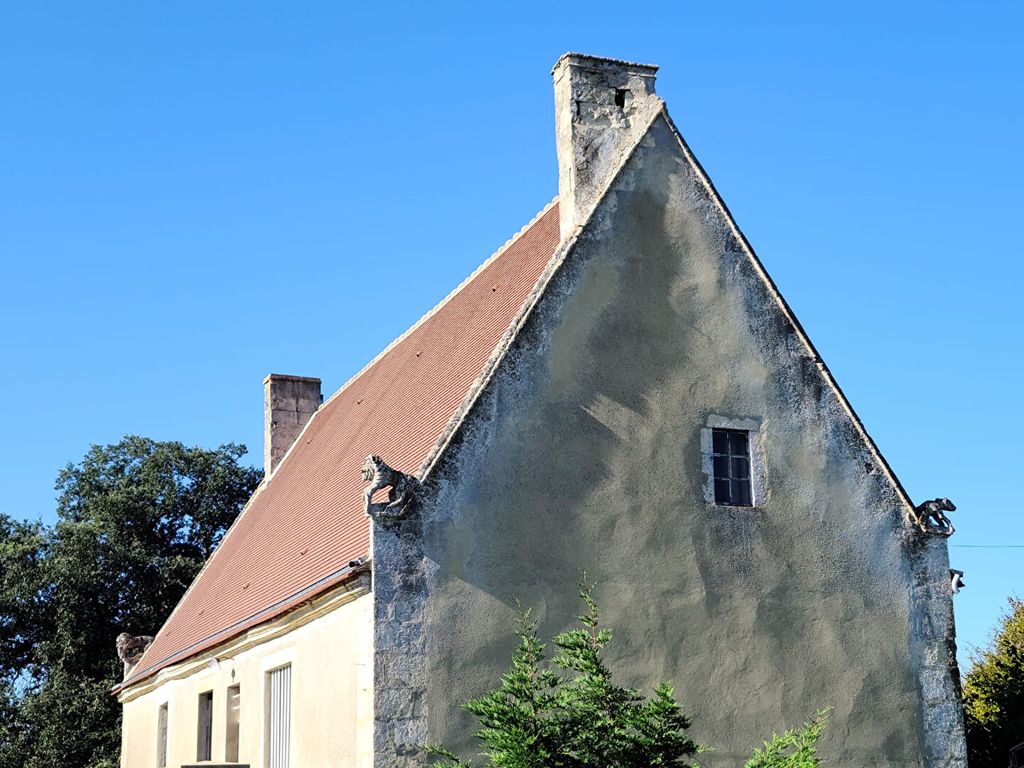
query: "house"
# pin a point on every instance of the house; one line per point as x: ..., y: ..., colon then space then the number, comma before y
x: 622, y: 389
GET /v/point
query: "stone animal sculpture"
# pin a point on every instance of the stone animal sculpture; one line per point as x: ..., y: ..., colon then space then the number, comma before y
x: 380, y: 475
x: 130, y: 649
x: 933, y: 512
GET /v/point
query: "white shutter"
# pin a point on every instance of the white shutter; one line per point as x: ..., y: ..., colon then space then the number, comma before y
x: 280, y: 717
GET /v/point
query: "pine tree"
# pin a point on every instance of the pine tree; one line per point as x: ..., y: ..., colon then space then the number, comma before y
x: 577, y: 717
x: 793, y: 749
x: 517, y: 721
x: 604, y: 724
x: 539, y: 718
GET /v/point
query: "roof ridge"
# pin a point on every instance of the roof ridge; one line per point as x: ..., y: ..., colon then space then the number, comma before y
x: 525, y: 310
x: 431, y: 312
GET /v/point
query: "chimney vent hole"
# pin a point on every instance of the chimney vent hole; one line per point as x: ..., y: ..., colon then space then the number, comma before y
x: 620, y: 97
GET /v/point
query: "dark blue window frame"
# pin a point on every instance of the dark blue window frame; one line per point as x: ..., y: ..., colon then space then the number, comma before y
x: 731, y: 459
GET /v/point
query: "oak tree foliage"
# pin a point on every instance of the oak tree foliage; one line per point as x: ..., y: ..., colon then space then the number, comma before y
x: 136, y: 520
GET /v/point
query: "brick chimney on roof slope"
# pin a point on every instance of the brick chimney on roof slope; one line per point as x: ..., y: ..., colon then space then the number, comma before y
x: 601, y: 107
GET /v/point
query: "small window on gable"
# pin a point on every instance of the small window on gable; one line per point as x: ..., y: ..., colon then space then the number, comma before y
x: 731, y: 464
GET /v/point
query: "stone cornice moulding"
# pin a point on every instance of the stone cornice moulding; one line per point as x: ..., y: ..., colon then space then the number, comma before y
x: 310, y: 610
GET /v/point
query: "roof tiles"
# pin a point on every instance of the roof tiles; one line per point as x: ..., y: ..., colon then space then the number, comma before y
x: 307, y: 523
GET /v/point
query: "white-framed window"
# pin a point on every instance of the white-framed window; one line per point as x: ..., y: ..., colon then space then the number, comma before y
x: 231, y: 721
x: 278, y: 722
x: 733, y: 462
x: 161, y: 736
x: 204, y: 738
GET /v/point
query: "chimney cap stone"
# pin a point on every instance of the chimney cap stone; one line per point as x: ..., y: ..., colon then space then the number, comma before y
x: 288, y: 377
x: 572, y: 57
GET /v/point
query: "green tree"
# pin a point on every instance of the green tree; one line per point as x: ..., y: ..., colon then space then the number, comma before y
x: 135, y: 522
x: 576, y: 717
x: 793, y: 749
x: 24, y: 620
x: 565, y: 712
x: 994, y: 694
x: 516, y: 719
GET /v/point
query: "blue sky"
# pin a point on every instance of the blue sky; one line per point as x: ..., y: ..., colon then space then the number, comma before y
x: 195, y: 194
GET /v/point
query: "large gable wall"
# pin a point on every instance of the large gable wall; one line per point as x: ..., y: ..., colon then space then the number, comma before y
x: 583, y: 452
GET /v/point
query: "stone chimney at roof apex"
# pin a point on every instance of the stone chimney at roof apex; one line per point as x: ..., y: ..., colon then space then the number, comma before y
x: 601, y: 107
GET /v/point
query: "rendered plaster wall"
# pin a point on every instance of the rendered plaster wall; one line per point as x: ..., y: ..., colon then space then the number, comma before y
x: 584, y: 453
x: 331, y: 698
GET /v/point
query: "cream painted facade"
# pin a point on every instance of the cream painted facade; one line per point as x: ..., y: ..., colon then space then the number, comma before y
x: 327, y: 643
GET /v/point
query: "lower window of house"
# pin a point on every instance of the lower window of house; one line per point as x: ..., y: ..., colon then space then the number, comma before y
x: 204, y: 746
x: 234, y: 707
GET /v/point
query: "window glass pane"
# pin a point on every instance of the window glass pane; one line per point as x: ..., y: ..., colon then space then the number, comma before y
x: 742, y: 493
x: 721, y: 466
x: 741, y: 468
x: 737, y: 443
x: 719, y: 441
x: 722, y: 494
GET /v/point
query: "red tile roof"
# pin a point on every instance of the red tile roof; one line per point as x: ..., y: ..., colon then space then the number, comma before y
x: 300, y: 531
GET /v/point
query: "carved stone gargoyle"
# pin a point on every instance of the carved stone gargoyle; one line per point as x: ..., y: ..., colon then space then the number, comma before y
x: 930, y: 517
x: 402, y: 488
x: 130, y: 649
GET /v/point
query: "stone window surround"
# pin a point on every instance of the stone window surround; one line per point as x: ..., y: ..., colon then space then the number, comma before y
x: 758, y: 475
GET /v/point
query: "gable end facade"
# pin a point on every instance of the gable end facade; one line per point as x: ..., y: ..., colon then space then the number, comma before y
x: 581, y: 451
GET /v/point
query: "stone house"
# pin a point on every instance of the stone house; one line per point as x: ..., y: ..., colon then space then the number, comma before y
x: 622, y: 389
